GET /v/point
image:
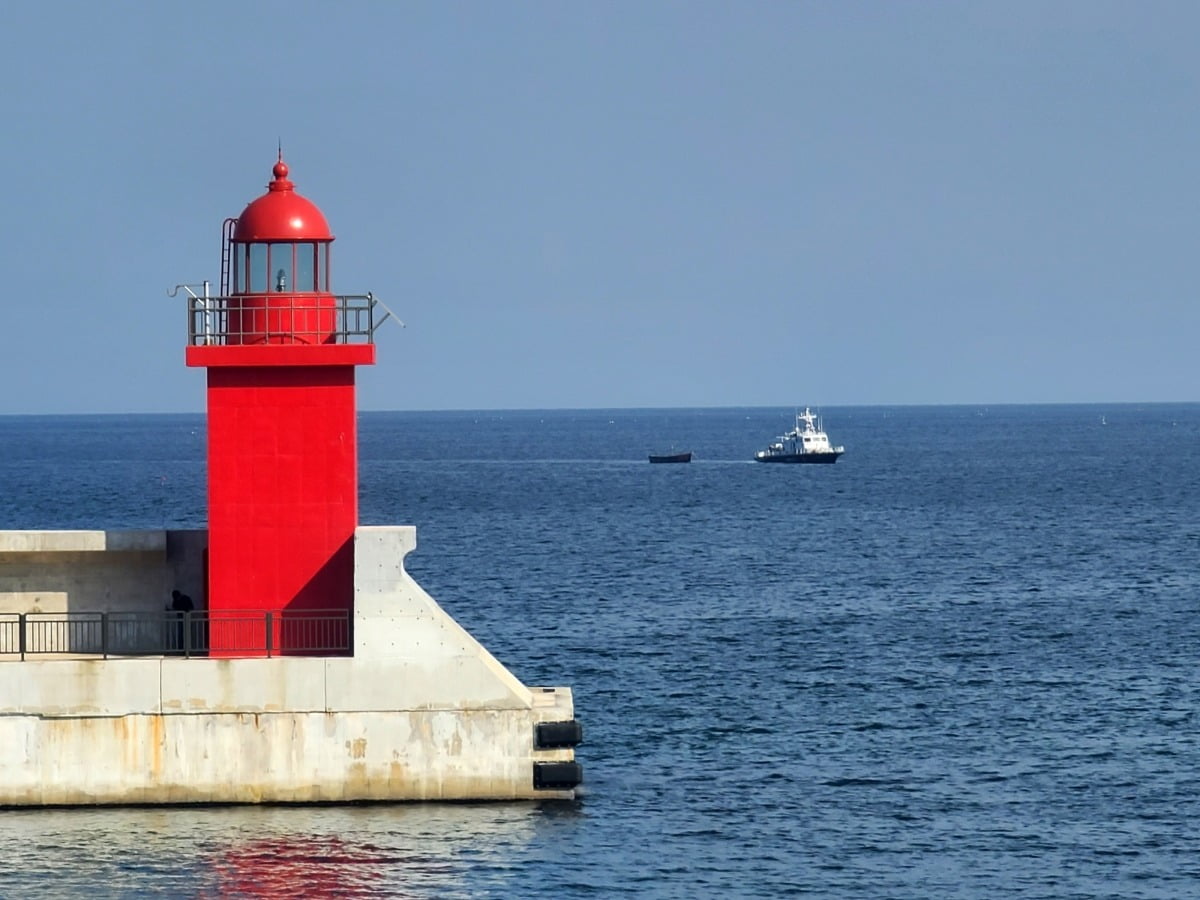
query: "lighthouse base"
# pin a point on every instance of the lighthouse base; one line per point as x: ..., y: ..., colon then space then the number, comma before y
x: 421, y: 711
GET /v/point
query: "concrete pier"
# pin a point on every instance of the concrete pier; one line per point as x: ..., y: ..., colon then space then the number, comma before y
x: 418, y: 710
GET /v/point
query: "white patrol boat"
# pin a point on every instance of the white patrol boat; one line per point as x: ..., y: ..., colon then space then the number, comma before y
x: 807, y: 444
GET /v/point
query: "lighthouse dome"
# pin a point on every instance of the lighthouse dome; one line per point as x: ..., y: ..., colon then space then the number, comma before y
x: 281, y: 214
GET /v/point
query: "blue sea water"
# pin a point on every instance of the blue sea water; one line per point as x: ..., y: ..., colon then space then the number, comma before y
x: 959, y: 663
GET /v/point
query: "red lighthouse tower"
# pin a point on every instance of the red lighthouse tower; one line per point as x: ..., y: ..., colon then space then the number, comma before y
x: 281, y: 350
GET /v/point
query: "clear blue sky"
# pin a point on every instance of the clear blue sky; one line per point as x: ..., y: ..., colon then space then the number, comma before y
x: 620, y: 204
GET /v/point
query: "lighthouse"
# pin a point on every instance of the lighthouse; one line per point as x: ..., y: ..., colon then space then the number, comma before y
x: 281, y: 352
x: 313, y: 668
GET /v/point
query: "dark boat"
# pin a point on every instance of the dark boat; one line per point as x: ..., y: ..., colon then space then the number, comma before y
x: 809, y: 444
x: 672, y: 457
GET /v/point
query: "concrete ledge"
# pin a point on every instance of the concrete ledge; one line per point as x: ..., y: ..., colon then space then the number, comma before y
x: 443, y: 683
x: 65, y: 688
x: 83, y: 541
x: 243, y: 685
x: 70, y: 688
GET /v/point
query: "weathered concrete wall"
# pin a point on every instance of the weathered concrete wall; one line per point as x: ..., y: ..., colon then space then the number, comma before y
x: 99, y: 571
x: 421, y: 712
x: 254, y: 730
x: 281, y: 758
x: 399, y: 627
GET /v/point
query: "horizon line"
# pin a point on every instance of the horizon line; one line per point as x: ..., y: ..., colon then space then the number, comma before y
x: 560, y: 409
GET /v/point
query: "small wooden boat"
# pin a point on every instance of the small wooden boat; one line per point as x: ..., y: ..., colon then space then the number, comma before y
x: 672, y: 457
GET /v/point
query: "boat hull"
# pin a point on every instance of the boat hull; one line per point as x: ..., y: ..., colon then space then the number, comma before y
x: 807, y: 458
x: 672, y: 458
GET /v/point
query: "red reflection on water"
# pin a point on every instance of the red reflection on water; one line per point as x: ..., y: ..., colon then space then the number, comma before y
x: 318, y: 867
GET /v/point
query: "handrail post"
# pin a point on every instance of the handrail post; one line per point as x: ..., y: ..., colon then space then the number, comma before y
x: 21, y: 643
x: 187, y: 635
x: 270, y: 633
x: 104, y: 635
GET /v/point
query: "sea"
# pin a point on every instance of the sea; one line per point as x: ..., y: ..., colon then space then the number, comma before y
x: 960, y: 663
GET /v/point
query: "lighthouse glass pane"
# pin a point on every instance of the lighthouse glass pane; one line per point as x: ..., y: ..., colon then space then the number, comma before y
x: 258, y: 268
x: 306, y: 258
x: 281, y: 267
x: 237, y: 270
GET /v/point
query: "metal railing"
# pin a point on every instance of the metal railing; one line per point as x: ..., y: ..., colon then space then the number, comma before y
x: 300, y: 318
x: 187, y: 634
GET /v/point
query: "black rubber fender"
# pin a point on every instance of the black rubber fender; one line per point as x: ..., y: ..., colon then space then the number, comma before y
x: 556, y: 776
x: 554, y: 735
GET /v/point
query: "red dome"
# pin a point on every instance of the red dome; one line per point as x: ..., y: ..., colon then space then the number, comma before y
x: 281, y: 214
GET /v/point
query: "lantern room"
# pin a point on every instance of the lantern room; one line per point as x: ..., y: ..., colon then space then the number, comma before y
x: 275, y: 269
x: 280, y: 242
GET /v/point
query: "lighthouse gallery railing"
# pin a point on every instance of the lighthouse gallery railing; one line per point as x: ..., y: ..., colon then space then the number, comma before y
x: 216, y: 321
x: 188, y: 634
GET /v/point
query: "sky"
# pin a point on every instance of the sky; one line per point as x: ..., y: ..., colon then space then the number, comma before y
x: 619, y: 204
